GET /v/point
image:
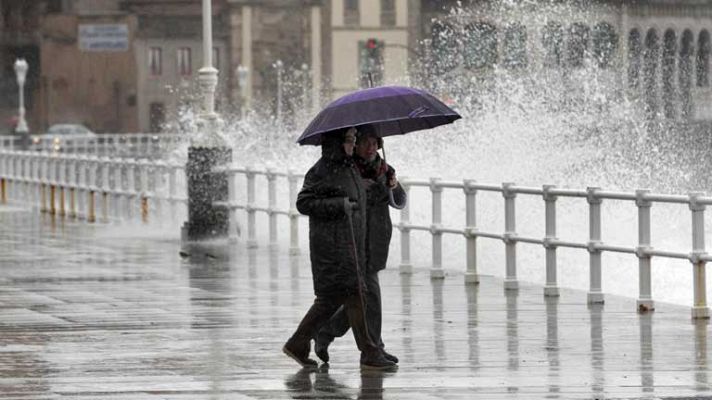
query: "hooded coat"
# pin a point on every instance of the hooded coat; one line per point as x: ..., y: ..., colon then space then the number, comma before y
x: 327, y: 186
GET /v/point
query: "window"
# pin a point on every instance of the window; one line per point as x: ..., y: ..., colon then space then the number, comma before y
x: 604, y: 43
x: 578, y: 45
x: 650, y: 66
x: 634, y: 51
x: 216, y: 57
x: 514, y: 48
x: 444, y: 45
x: 553, y: 41
x: 157, y: 117
x: 668, y: 73
x: 480, y: 45
x: 351, y: 13
x: 388, y: 13
x: 155, y: 61
x: 685, y: 73
x: 703, y: 59
x: 371, y: 63
x: 184, y: 62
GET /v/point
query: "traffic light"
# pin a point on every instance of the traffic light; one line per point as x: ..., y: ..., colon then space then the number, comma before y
x: 371, y: 62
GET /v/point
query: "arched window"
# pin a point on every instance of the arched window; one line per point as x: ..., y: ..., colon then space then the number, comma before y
x: 604, y: 44
x: 650, y: 67
x: 444, y: 46
x: 668, y: 72
x: 553, y: 41
x: 578, y: 44
x: 480, y: 45
x: 703, y: 59
x: 514, y: 48
x: 685, y: 72
x: 634, y: 52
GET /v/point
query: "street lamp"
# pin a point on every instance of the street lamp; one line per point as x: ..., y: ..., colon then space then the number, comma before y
x: 21, y: 72
x: 242, y: 75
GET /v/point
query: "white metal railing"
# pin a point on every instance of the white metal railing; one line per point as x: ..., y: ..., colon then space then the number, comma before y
x: 136, y: 145
x: 594, y: 197
x: 69, y: 184
x: 251, y: 208
x: 90, y: 187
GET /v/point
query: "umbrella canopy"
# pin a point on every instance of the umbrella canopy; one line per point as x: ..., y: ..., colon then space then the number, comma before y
x: 389, y: 110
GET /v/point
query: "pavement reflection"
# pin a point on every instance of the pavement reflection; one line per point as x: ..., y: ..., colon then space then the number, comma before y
x: 552, y: 345
x: 597, y: 352
x: 317, y: 383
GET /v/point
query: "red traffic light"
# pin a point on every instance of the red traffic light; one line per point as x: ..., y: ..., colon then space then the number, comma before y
x: 371, y: 43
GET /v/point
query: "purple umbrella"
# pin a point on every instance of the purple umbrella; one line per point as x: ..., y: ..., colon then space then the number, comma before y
x: 389, y: 110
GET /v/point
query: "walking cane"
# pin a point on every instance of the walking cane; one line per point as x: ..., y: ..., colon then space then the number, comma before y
x: 358, y: 275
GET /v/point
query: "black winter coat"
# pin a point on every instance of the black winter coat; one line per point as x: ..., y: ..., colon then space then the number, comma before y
x: 326, y: 185
x: 379, y: 225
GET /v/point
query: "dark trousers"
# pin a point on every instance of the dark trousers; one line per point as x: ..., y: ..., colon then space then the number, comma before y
x: 338, y: 324
x: 323, y: 309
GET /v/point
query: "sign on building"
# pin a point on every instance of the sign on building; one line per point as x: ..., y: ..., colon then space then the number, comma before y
x: 103, y: 37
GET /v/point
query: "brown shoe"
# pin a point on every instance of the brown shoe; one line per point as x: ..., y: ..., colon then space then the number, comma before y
x: 300, y: 356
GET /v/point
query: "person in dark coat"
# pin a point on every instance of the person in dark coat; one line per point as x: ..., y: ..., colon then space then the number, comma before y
x: 382, y: 190
x: 335, y: 201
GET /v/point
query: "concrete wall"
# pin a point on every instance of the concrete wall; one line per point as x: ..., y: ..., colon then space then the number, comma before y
x: 97, y: 89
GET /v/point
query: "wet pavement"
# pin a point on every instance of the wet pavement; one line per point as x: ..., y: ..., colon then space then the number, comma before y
x: 107, y: 312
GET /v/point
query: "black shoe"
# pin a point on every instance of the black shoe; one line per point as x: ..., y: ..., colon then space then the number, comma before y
x: 376, y: 361
x: 321, y: 348
x: 300, y: 356
x: 390, y: 357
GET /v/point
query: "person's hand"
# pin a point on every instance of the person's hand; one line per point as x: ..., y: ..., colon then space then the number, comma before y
x: 349, y: 205
x: 392, y: 181
x: 367, y: 182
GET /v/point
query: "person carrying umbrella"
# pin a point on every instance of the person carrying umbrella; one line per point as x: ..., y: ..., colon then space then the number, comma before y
x: 382, y: 190
x: 335, y: 200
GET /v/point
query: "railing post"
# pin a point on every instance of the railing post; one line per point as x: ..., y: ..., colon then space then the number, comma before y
x: 43, y: 184
x: 159, y: 171
x: 293, y: 214
x: 510, y: 233
x: 272, y: 208
x: 52, y: 178
x: 130, y: 188
x: 172, y: 190
x: 145, y: 193
x: 119, y: 198
x: 251, y: 217
x: 105, y: 189
x: 82, y: 188
x: 62, y: 183
x: 595, y: 295
x: 91, y: 189
x: 72, y: 181
x: 437, y: 269
x: 405, y: 266
x: 470, y: 230
x: 645, y: 299
x: 699, y: 307
x: 232, y: 201
x: 551, y: 288
x: 3, y: 176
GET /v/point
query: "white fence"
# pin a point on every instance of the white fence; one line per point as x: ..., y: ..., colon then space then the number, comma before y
x: 92, y: 188
x: 50, y: 181
x: 137, y: 145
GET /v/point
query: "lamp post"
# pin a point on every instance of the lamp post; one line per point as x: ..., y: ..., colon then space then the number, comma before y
x: 242, y: 75
x: 206, y: 153
x: 21, y: 68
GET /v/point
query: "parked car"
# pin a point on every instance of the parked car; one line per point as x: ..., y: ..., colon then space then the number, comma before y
x: 62, y: 137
